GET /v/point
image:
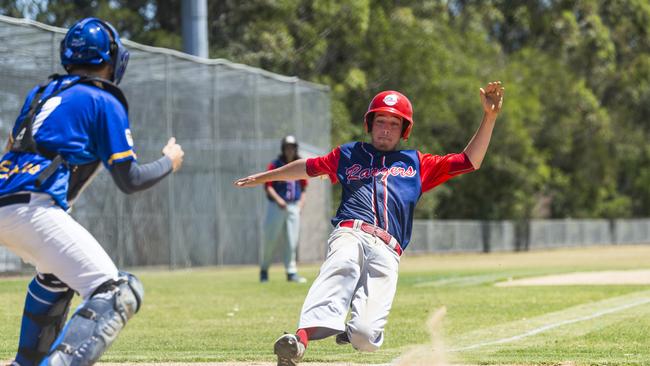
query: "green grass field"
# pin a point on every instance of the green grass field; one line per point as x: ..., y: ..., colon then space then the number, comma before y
x: 224, y: 314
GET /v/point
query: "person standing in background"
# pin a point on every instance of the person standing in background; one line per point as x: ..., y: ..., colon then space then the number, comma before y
x: 282, y: 224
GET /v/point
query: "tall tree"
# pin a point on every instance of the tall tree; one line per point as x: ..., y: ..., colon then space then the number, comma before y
x: 571, y: 141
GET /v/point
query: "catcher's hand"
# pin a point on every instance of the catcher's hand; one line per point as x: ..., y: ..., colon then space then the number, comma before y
x: 492, y: 98
x: 174, y: 151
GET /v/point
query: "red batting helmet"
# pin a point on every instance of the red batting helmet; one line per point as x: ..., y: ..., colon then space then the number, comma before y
x: 392, y: 102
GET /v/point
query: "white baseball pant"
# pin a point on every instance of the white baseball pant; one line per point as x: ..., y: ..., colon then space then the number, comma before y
x: 359, y: 274
x: 44, y: 235
x: 282, y: 226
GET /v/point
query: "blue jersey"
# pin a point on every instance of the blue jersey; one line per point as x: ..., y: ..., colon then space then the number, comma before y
x: 290, y: 190
x: 84, y: 124
x: 383, y: 187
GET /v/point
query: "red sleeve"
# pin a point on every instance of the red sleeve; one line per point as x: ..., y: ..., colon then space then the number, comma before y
x: 271, y: 166
x: 303, y: 184
x: 436, y: 169
x: 327, y: 164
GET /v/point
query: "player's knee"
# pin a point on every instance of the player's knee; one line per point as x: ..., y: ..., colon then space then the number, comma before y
x: 365, y: 338
x: 130, y: 294
x: 94, y: 327
x: 126, y: 292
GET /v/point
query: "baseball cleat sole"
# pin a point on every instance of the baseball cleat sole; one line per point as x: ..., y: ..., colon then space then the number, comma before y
x: 289, y: 350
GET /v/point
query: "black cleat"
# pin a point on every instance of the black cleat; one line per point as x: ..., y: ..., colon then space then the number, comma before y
x: 342, y: 339
x: 264, y: 276
x: 294, y: 277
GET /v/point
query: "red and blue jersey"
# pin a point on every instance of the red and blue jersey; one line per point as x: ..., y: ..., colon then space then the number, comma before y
x: 290, y: 190
x: 383, y: 187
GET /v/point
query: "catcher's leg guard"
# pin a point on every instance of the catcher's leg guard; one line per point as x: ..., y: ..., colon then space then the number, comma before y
x: 46, y: 309
x: 97, y: 322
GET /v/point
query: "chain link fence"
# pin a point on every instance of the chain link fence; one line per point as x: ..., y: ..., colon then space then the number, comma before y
x: 431, y: 236
x: 229, y: 118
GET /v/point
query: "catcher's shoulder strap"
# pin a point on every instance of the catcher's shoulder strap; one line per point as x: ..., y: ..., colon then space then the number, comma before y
x: 108, y: 86
x: 24, y: 140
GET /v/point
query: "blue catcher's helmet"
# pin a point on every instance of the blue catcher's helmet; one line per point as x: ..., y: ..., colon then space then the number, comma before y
x: 92, y: 41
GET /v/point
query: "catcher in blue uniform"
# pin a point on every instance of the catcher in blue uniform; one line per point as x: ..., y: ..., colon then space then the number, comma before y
x: 67, y: 129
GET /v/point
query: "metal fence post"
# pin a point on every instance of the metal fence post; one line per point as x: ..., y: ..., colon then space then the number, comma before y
x: 612, y: 232
x: 170, y: 191
x: 485, y: 235
x: 297, y: 115
x: 258, y: 162
x: 54, y: 49
x: 121, y: 224
x: 522, y: 235
x: 216, y: 136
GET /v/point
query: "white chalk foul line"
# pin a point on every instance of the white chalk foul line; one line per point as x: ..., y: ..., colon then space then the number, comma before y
x: 553, y: 325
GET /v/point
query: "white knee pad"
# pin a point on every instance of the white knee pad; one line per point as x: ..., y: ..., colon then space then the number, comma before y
x: 364, y: 338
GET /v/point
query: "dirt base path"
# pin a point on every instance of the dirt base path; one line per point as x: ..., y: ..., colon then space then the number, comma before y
x: 631, y: 277
x: 234, y: 364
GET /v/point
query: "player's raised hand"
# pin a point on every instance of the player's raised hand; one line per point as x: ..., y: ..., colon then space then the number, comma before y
x: 249, y: 181
x: 174, y: 151
x: 492, y: 98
